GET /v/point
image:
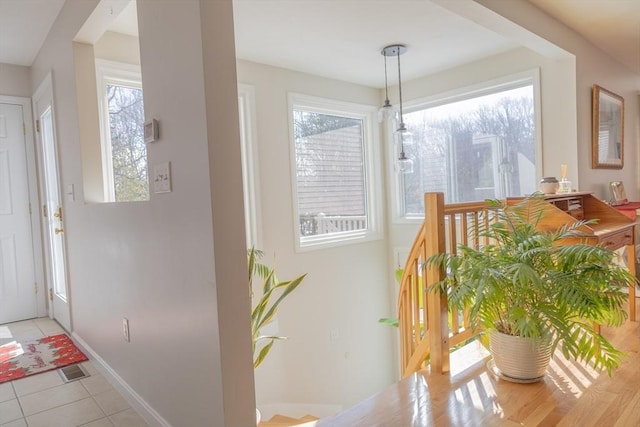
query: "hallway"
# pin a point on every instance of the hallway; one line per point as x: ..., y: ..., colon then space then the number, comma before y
x: 44, y: 400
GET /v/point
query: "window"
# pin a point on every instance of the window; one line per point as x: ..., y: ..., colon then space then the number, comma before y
x: 332, y: 146
x: 472, y: 147
x: 249, y: 146
x: 124, y: 152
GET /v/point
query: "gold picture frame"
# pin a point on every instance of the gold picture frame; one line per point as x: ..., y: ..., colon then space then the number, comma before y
x: 607, y: 132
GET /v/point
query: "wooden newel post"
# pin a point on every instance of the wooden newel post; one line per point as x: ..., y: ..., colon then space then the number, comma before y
x: 437, y: 311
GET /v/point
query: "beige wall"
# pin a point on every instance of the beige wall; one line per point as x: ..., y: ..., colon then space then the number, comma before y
x: 14, y: 80
x: 118, y: 47
x: 345, y: 291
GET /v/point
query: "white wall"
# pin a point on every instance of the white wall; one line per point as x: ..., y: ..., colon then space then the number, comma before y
x: 345, y: 291
x: 172, y: 265
x: 14, y: 80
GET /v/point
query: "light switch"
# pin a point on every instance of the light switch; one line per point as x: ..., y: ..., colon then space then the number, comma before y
x: 162, y: 177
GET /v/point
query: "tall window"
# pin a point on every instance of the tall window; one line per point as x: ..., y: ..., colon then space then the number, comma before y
x: 331, y: 142
x: 478, y: 146
x: 122, y: 121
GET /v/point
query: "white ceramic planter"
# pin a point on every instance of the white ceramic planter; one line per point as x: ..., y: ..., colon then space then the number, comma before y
x: 519, y: 358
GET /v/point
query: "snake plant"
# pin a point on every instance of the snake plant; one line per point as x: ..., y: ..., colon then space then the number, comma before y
x: 273, y: 292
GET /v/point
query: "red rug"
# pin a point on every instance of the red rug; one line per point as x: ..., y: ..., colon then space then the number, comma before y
x: 18, y: 360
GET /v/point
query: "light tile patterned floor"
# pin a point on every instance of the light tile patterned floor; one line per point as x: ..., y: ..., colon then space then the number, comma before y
x: 44, y: 400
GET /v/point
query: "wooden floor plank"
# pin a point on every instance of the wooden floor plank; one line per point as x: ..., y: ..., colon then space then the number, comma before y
x: 571, y: 394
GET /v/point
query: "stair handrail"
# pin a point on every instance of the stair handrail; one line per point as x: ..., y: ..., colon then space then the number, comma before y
x: 423, y: 316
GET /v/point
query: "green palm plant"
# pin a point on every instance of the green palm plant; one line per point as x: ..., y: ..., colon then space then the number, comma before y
x: 550, y: 286
x: 273, y: 292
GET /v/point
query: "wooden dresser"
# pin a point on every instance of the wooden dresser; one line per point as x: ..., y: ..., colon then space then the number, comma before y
x: 612, y: 228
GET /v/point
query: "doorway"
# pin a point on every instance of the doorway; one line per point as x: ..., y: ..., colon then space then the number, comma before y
x: 52, y: 209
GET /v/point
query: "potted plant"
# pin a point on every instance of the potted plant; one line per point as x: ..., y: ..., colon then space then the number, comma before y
x: 534, y: 290
x: 265, y: 307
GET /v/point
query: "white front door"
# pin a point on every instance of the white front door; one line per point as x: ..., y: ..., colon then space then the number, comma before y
x: 52, y: 207
x: 18, y: 288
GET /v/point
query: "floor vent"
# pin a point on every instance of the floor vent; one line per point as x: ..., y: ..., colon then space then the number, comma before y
x: 73, y: 373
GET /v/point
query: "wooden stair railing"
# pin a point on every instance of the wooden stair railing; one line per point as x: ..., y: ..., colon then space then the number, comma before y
x: 427, y: 329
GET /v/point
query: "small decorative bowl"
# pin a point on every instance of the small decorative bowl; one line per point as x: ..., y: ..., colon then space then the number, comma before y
x: 549, y: 185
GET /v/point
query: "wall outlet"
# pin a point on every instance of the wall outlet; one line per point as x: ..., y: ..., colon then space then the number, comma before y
x: 125, y: 329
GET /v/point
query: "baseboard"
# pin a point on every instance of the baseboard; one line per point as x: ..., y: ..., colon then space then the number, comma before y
x: 297, y: 410
x: 145, y: 410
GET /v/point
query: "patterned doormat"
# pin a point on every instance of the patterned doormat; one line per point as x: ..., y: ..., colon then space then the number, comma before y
x: 18, y: 360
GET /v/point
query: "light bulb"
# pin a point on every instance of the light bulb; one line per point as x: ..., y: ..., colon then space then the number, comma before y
x: 385, y: 111
x: 404, y: 164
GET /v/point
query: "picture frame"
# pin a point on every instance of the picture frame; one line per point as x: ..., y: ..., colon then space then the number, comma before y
x: 150, y: 131
x: 619, y: 196
x: 607, y: 133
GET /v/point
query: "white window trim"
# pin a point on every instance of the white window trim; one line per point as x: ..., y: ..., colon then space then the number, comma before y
x: 478, y: 89
x: 250, y: 169
x: 372, y: 171
x: 122, y: 74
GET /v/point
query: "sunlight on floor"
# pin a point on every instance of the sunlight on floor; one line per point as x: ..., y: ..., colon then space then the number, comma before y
x: 5, y: 332
x: 10, y: 350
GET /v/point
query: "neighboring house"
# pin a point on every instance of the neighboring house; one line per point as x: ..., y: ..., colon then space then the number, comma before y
x: 175, y: 265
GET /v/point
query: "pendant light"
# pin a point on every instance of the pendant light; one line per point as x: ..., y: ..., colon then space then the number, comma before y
x: 404, y: 164
x: 385, y: 111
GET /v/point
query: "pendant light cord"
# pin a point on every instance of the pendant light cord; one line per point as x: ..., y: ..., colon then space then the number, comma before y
x: 386, y: 85
x: 400, y: 90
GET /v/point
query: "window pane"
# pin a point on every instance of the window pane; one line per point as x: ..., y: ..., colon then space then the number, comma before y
x: 329, y: 173
x: 473, y: 149
x: 128, y: 150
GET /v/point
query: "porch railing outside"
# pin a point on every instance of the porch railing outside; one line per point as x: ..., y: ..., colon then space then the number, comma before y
x: 311, y: 225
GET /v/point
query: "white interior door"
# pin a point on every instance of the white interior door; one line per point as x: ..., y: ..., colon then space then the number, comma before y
x: 18, y: 288
x: 53, y: 216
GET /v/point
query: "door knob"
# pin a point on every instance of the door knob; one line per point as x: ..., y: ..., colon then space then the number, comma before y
x: 58, y: 230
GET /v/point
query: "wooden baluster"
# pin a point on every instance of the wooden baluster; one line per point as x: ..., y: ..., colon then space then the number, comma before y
x: 436, y: 303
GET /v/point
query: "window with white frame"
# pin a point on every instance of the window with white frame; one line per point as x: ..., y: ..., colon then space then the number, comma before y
x: 124, y: 153
x: 473, y: 146
x: 332, y: 154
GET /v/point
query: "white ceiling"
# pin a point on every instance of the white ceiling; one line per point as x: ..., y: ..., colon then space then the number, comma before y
x: 342, y: 39
x: 612, y: 25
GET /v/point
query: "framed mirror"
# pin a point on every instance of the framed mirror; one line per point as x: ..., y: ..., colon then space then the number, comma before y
x: 607, y: 122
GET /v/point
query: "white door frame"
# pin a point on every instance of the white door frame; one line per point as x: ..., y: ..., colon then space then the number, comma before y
x: 45, y: 93
x: 34, y: 200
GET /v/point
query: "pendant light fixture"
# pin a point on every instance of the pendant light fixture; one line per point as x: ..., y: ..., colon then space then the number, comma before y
x: 404, y: 164
x: 385, y: 111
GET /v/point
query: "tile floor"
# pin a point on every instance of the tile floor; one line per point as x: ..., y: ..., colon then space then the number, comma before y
x: 44, y: 400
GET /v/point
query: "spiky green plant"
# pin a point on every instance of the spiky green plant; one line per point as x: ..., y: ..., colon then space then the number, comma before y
x: 266, y: 306
x: 539, y: 284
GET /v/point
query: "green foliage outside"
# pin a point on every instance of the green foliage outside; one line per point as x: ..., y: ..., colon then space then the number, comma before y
x: 128, y: 149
